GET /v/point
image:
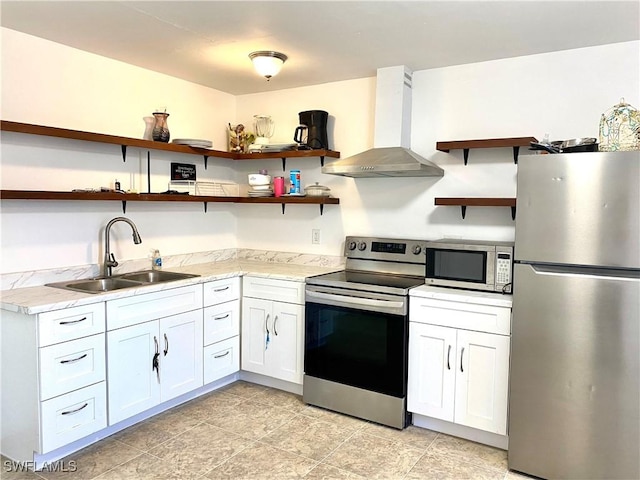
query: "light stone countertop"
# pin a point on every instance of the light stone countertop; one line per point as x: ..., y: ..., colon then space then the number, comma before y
x: 39, y: 299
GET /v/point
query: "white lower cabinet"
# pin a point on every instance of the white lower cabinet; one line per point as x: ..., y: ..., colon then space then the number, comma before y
x: 457, y: 374
x: 153, y: 362
x: 221, y: 329
x: 53, y: 389
x: 273, y: 331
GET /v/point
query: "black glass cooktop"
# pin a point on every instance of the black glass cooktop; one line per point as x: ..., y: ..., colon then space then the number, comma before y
x: 367, y: 281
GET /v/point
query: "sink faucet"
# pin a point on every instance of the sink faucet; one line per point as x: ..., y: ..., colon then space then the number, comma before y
x: 109, y: 258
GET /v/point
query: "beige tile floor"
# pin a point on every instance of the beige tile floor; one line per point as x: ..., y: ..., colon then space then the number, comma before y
x: 253, y: 432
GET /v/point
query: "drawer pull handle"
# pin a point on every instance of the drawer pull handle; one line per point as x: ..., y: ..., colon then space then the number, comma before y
x: 221, y: 289
x: 166, y: 345
x: 71, y: 412
x: 223, y: 355
x: 74, y: 359
x: 275, y: 321
x: 69, y: 322
x: 461, y: 355
x: 222, y: 317
x: 448, y: 357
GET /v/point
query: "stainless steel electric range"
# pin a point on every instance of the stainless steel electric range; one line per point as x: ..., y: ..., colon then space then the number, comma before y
x: 357, y: 330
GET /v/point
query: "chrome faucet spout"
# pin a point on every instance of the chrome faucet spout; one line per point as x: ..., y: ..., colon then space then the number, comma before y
x: 109, y: 258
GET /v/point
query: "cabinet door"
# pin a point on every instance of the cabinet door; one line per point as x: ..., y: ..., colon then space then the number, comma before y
x: 181, y: 354
x: 482, y: 375
x: 286, y: 357
x: 134, y: 385
x: 432, y: 372
x: 256, y: 314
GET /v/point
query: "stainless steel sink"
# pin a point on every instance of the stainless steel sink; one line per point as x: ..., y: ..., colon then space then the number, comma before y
x: 96, y: 285
x: 118, y: 282
x: 155, y: 276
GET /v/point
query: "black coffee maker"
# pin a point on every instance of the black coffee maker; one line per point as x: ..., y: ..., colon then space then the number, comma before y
x: 314, y: 124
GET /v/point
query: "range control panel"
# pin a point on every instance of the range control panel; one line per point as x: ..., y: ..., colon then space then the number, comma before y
x: 389, y: 249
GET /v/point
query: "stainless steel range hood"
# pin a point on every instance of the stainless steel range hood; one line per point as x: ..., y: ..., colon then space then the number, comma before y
x: 391, y: 155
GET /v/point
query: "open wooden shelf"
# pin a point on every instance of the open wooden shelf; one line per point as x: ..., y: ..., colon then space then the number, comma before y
x: 465, y: 145
x: 159, y: 197
x: 125, y: 142
x: 464, y: 202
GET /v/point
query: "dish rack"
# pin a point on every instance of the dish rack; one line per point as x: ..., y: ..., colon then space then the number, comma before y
x: 209, y: 189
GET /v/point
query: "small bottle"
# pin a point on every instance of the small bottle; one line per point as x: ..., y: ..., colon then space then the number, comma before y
x: 117, y: 185
x: 156, y: 260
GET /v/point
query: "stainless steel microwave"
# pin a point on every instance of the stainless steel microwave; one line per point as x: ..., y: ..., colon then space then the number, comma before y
x: 470, y: 264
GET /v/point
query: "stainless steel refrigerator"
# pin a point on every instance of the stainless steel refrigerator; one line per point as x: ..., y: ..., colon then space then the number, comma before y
x: 574, y: 397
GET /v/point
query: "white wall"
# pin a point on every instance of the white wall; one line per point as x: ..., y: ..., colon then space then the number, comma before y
x: 50, y: 84
x: 561, y: 93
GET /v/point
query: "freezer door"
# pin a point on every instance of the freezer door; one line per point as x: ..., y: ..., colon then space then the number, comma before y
x: 574, y: 396
x: 579, y: 208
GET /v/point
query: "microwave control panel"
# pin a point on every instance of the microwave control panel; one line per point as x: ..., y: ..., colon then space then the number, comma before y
x: 503, y: 268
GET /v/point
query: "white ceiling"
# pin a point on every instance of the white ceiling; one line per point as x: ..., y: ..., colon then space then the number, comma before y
x: 207, y: 42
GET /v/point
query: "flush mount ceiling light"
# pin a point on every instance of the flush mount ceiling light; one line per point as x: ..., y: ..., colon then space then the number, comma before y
x: 267, y: 63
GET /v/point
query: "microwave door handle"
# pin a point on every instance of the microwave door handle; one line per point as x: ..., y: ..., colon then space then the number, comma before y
x: 366, y: 302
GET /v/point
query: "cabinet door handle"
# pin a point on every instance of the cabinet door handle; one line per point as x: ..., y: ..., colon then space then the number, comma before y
x: 69, y: 322
x: 223, y: 355
x: 71, y: 412
x: 222, y: 317
x: 74, y: 359
x: 275, y: 321
x: 155, y: 364
x: 448, y: 357
x: 266, y: 327
x: 461, y: 356
x: 221, y: 289
x: 166, y: 345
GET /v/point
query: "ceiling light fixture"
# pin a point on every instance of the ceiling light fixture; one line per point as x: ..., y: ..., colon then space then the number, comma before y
x: 267, y: 63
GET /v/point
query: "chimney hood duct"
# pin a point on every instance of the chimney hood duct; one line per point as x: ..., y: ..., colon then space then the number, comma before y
x: 391, y: 156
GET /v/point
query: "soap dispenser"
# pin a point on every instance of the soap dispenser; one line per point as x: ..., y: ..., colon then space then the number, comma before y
x: 156, y: 260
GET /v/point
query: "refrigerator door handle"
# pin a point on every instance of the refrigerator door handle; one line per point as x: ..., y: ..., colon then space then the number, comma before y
x: 570, y: 270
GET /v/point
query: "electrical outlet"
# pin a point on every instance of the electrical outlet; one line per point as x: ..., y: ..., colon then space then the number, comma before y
x: 315, y: 236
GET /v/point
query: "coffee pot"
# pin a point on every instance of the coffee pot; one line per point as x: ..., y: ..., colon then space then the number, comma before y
x: 312, y: 131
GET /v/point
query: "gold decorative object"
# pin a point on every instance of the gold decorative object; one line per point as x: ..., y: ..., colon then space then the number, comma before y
x: 620, y: 128
x: 239, y: 139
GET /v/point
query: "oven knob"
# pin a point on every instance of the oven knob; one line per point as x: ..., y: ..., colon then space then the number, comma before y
x: 352, y: 245
x: 417, y: 249
x: 362, y: 246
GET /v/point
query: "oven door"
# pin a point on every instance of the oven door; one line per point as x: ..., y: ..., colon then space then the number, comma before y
x: 357, y: 339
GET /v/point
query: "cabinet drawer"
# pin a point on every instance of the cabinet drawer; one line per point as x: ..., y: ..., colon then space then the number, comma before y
x: 272, y: 289
x: 150, y: 306
x: 71, y: 365
x: 221, y: 359
x: 70, y: 323
x: 220, y: 291
x: 72, y: 416
x: 468, y: 316
x: 221, y: 322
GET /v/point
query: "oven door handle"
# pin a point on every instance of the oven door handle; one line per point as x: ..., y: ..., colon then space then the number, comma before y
x: 355, y: 301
